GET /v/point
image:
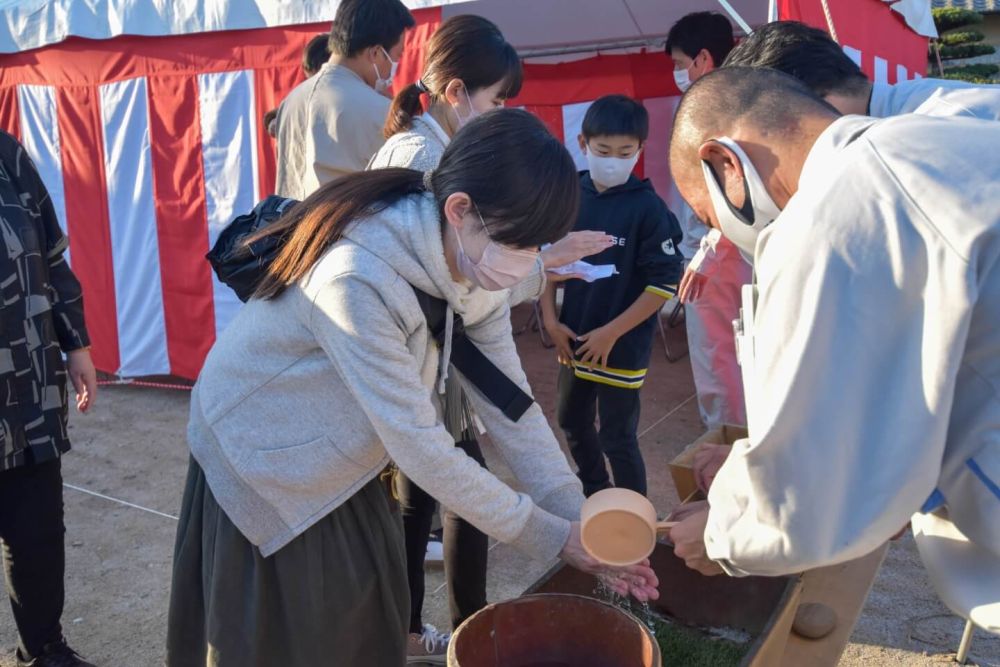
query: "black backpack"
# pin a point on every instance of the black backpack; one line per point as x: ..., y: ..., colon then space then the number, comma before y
x: 240, y: 266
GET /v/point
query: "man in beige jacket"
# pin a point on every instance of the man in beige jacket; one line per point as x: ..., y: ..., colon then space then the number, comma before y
x: 331, y: 124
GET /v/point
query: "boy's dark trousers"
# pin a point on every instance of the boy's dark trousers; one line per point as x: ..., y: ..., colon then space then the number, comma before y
x: 34, y: 562
x: 580, y: 403
x: 465, y: 549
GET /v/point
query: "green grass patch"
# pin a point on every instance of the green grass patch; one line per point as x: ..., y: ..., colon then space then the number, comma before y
x: 983, y: 70
x: 963, y: 37
x: 690, y: 647
x: 963, y: 51
x: 979, y: 80
x: 950, y: 17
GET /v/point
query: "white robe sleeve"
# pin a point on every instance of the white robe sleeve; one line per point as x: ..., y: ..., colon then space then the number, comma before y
x: 853, y: 375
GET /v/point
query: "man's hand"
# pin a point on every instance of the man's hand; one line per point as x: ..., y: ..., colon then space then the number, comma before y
x: 685, y: 510
x: 562, y: 336
x: 597, y: 344
x: 708, y: 458
x: 639, y: 580
x: 689, y: 540
x: 691, y: 286
x: 83, y: 375
x: 572, y: 247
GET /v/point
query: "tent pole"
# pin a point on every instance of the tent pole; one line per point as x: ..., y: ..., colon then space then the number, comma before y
x: 736, y: 16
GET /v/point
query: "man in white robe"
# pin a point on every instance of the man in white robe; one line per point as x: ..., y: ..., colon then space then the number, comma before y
x: 875, y: 357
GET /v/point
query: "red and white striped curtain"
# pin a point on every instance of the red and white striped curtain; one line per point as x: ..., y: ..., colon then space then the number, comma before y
x: 149, y: 146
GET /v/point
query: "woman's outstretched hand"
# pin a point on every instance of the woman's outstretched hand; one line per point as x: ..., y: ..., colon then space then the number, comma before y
x: 575, y: 246
x: 637, y: 580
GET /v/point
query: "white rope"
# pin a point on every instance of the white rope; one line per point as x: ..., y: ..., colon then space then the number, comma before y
x: 829, y: 21
x: 669, y: 414
x: 120, y: 502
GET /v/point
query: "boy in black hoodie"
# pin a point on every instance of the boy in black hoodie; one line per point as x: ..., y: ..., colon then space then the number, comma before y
x: 604, y: 334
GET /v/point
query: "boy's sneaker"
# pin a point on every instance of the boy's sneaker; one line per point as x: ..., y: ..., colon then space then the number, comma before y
x: 435, y: 553
x: 56, y: 654
x: 430, y: 647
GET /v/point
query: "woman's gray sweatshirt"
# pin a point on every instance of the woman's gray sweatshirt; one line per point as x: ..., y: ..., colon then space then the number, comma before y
x: 305, y: 398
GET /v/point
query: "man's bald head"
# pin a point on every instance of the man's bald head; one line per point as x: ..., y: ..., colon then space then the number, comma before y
x: 767, y: 111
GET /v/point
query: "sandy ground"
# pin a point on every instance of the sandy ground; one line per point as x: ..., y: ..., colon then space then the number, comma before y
x: 132, y: 449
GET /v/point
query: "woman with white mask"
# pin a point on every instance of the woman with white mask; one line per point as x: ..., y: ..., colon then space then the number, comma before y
x: 469, y: 68
x: 289, y: 550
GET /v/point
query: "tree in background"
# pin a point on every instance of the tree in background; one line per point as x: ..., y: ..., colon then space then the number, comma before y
x: 955, y: 43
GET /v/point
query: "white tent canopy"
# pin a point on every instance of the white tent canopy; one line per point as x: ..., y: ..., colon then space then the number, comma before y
x: 537, y: 27
x: 530, y: 25
x: 534, y: 27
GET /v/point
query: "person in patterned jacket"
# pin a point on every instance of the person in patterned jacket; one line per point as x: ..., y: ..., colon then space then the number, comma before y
x: 41, y: 320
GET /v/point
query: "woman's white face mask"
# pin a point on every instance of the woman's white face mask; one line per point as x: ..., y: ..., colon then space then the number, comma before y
x: 742, y: 225
x: 470, y: 106
x: 463, y: 119
x: 499, y: 267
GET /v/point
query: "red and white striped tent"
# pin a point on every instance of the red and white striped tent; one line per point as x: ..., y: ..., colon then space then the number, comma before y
x: 144, y: 121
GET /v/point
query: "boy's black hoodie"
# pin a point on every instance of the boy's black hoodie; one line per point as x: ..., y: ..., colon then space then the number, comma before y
x: 647, y: 257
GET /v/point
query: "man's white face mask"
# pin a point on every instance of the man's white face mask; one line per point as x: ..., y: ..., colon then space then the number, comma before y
x: 742, y: 225
x: 682, y: 78
x: 383, y: 85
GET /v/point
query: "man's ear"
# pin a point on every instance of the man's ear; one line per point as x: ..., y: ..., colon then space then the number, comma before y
x: 456, y: 208
x: 728, y: 169
x: 707, y: 63
x: 583, y: 143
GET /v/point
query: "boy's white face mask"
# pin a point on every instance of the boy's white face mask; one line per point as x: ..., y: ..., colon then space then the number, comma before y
x: 611, y: 171
x: 742, y: 225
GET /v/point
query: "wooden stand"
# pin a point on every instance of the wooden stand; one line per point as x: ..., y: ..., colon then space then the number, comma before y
x: 844, y: 588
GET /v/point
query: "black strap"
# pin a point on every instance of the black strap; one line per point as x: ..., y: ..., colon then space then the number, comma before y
x: 498, y: 389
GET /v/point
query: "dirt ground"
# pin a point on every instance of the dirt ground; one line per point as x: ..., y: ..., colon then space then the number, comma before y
x: 131, y: 449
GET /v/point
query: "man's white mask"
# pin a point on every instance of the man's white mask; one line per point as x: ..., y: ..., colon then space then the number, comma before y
x: 742, y: 225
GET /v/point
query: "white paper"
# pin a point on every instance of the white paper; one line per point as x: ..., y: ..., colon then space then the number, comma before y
x: 586, y: 271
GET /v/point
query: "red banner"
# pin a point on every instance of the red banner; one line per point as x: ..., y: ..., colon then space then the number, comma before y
x: 888, y: 50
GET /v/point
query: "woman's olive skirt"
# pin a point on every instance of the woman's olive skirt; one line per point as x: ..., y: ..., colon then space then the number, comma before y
x: 336, y: 595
